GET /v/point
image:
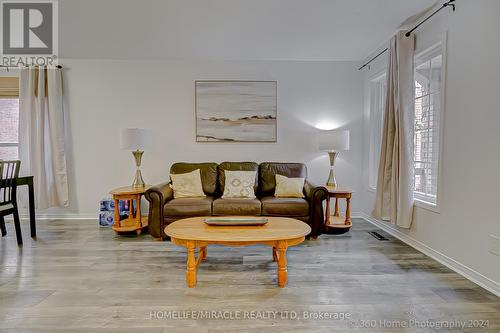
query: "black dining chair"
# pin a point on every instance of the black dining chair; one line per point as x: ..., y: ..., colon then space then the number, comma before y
x: 9, y: 171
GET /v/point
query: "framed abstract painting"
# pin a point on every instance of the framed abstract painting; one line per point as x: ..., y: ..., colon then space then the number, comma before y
x: 236, y: 111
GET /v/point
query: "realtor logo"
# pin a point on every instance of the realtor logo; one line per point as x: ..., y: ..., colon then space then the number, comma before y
x: 28, y: 28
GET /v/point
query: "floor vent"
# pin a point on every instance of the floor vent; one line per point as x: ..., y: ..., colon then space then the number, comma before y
x: 378, y: 236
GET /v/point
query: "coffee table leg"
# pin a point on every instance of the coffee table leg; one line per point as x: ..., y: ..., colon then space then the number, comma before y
x: 275, y: 257
x: 191, y: 265
x: 282, y: 271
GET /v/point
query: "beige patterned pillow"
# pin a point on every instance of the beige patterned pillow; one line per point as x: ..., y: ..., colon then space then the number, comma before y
x: 239, y: 184
x: 289, y: 187
x: 187, y: 185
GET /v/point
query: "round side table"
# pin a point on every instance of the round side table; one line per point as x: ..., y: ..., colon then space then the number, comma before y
x: 338, y: 224
x: 134, y: 222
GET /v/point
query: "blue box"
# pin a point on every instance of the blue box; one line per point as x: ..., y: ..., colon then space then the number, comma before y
x: 106, y: 219
x: 107, y: 211
x: 108, y: 205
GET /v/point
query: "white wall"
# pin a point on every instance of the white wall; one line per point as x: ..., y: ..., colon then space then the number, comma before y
x: 471, y: 158
x: 106, y: 96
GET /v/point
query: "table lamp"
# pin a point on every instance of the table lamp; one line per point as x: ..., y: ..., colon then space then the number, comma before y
x: 333, y: 142
x: 136, y: 140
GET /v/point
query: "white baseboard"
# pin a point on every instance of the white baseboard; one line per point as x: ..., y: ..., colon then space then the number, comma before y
x: 467, y: 272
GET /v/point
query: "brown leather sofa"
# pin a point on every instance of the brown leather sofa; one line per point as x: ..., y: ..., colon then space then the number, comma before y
x: 164, y: 209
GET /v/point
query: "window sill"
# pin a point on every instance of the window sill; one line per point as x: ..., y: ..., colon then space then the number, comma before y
x: 427, y: 206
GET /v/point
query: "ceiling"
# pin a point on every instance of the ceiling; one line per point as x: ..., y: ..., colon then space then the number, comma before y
x: 230, y: 29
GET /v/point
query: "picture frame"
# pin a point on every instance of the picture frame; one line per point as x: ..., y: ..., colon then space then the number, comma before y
x: 232, y: 111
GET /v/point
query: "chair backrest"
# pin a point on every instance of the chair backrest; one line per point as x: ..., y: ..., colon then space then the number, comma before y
x: 9, y: 171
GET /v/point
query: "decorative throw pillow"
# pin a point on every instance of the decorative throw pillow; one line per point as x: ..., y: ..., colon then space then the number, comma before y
x: 239, y: 184
x: 186, y: 185
x: 289, y: 187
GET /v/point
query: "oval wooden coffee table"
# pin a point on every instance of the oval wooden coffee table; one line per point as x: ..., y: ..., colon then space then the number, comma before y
x: 279, y: 232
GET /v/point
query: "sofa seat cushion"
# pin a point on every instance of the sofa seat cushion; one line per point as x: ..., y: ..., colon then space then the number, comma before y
x: 272, y: 206
x: 189, y: 207
x: 236, y: 206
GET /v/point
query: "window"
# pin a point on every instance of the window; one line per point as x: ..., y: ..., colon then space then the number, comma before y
x: 9, y: 118
x: 427, y: 125
x: 377, y: 106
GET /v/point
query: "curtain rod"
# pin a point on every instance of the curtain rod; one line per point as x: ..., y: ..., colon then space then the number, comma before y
x: 446, y: 4
x: 375, y: 57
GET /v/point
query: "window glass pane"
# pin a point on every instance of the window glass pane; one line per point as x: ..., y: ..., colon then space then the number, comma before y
x: 9, y: 120
x: 418, y: 89
x: 9, y: 153
x: 428, y: 72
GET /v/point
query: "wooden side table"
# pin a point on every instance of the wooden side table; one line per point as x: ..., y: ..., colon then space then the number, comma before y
x: 338, y: 224
x: 135, y: 222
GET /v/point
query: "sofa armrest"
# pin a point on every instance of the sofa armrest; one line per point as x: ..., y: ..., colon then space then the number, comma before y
x: 316, y: 195
x: 158, y: 196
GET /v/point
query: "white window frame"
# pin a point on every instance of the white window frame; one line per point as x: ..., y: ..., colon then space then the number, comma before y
x: 442, y: 44
x: 373, y: 159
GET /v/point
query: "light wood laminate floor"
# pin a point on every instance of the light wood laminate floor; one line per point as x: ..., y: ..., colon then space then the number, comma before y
x: 77, y: 277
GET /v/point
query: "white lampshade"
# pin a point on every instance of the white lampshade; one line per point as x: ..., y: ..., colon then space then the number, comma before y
x: 136, y: 138
x: 333, y: 140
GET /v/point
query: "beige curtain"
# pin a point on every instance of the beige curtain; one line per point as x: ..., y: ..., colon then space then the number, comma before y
x: 395, y: 183
x: 42, y: 135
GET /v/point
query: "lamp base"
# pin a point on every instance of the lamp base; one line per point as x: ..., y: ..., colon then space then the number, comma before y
x: 331, y: 179
x: 331, y: 176
x: 138, y: 180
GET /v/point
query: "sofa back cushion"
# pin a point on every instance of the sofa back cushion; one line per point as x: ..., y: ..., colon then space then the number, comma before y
x: 236, y: 166
x: 268, y: 171
x: 208, y: 174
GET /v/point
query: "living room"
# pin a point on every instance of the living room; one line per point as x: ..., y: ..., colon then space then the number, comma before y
x: 369, y: 158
